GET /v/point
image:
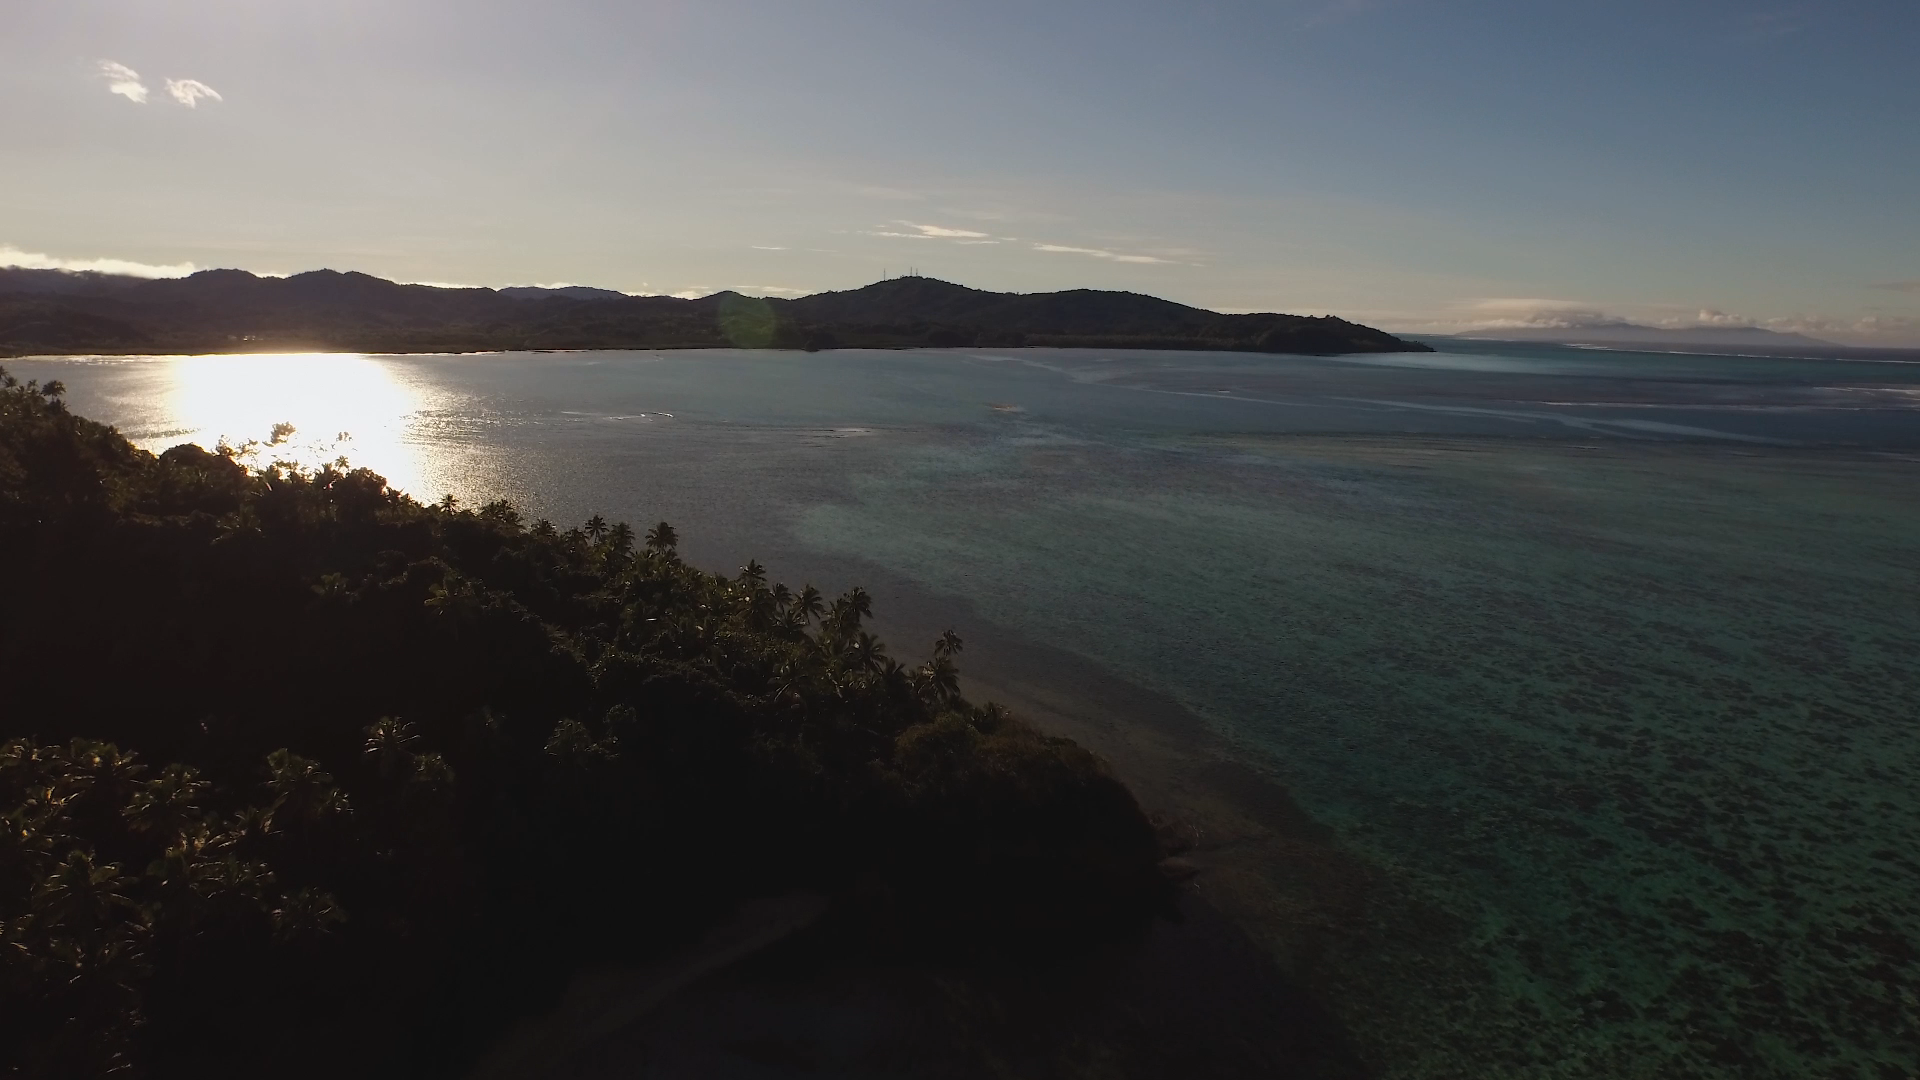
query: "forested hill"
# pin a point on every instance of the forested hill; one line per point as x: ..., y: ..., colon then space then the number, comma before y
x: 302, y: 778
x: 47, y: 311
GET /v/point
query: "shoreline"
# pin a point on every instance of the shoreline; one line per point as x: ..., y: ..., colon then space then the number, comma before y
x: 1319, y: 914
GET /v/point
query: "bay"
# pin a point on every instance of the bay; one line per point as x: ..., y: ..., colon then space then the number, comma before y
x: 1590, y: 674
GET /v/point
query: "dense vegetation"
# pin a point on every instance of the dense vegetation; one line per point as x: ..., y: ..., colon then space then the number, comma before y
x: 46, y: 311
x: 301, y: 777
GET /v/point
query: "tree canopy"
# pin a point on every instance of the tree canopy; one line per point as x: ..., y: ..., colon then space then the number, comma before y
x: 291, y: 760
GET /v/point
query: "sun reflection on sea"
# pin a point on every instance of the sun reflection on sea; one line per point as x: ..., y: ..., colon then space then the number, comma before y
x: 340, y: 405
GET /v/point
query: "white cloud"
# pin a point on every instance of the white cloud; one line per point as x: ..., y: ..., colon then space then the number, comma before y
x: 1511, y: 313
x: 1709, y: 317
x: 124, y: 81
x: 1098, y: 253
x: 1706, y: 317
x: 30, y: 260
x: 188, y: 92
x: 766, y: 247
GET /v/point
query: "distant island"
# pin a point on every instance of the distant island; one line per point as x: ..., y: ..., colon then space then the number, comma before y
x: 1711, y: 338
x: 54, y: 311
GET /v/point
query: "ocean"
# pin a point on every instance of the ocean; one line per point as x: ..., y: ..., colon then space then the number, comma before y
x: 1546, y: 712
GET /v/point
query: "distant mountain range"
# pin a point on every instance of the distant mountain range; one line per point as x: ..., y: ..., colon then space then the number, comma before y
x: 53, y: 311
x: 1717, y: 337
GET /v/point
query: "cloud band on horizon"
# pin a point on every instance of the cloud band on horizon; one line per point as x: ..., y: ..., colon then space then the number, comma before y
x: 14, y: 258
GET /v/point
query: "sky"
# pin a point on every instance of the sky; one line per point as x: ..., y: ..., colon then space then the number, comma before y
x: 1420, y: 165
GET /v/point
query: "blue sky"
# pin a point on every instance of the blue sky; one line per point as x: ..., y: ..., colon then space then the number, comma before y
x: 1416, y: 164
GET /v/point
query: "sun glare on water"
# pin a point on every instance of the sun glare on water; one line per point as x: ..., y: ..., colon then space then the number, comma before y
x: 340, y: 405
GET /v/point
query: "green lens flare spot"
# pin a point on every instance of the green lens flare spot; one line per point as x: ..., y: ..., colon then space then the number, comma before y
x: 747, y: 321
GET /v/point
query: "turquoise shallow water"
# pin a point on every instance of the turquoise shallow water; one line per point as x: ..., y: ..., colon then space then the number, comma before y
x: 1605, y: 662
x: 1639, y: 724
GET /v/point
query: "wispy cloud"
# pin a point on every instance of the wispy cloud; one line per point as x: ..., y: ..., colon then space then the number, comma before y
x: 943, y: 232
x: 11, y: 256
x: 1099, y: 253
x: 767, y: 247
x: 190, y: 92
x: 1899, y: 286
x: 126, y: 82
x: 123, y: 80
x: 932, y: 232
x: 910, y: 230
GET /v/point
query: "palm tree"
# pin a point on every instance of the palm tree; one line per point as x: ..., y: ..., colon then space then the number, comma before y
x: 390, y: 741
x: 868, y: 652
x: 620, y: 540
x: 810, y: 603
x: 80, y: 896
x: 301, y: 789
x: 753, y: 573
x: 940, y: 679
x: 168, y: 805
x: 662, y: 538
x: 596, y: 528
x: 948, y: 645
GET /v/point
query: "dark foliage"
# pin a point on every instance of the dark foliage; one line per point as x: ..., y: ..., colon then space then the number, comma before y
x: 302, y: 777
x: 229, y: 310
